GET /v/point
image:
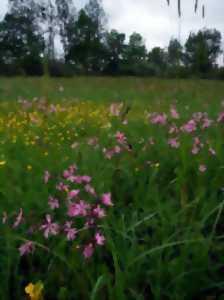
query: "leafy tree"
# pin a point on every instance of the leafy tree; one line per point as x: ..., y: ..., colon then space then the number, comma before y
x: 85, y: 50
x: 94, y: 10
x: 135, y: 50
x: 175, y: 53
x: 66, y: 15
x: 21, y: 44
x: 202, y: 50
x: 158, y: 60
x: 115, y: 47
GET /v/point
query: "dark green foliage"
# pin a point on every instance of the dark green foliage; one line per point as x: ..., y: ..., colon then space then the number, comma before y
x: 158, y: 60
x: 115, y: 50
x: 21, y: 43
x: 202, y: 50
x: 85, y: 48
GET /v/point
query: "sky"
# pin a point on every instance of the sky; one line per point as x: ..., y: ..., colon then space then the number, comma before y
x: 154, y: 20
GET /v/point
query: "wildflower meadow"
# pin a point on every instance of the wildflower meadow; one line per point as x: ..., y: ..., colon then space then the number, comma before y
x: 111, y: 189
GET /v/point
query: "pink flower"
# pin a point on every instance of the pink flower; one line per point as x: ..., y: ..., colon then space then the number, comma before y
x: 202, y: 168
x: 78, y: 209
x: 66, y: 174
x: 79, y: 179
x: 93, y: 141
x: 70, y: 232
x: 73, y: 194
x: 26, y: 248
x: 88, y: 250
x: 195, y: 150
x: 117, y: 149
x: 159, y: 119
x: 108, y: 153
x: 53, y: 203
x: 120, y: 137
x: 47, y: 176
x: 106, y: 199
x: 174, y: 113
x: 49, y: 227
x: 190, y: 126
x: 86, y: 179
x: 197, y: 141
x: 206, y: 123
x: 221, y: 117
x: 89, y: 189
x: 18, y: 218
x: 62, y: 187
x: 174, y: 143
x: 99, y: 212
x: 70, y: 171
x: 100, y: 239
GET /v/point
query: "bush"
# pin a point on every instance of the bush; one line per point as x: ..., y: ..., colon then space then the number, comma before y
x: 60, y: 69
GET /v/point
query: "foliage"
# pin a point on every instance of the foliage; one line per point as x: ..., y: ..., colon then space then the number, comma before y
x: 202, y: 50
x: 21, y: 45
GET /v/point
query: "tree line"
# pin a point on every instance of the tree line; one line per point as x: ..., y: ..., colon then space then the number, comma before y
x: 32, y: 30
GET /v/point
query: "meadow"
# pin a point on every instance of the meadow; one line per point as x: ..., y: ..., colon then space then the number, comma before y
x: 111, y: 189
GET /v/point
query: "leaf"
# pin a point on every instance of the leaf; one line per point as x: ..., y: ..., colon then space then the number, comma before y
x: 99, y: 283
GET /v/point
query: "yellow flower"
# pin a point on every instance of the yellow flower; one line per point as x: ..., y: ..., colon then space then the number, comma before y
x: 34, y: 290
x: 2, y: 162
x: 29, y: 167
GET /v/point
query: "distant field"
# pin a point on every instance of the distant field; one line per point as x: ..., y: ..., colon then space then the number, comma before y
x: 145, y: 90
x: 111, y: 189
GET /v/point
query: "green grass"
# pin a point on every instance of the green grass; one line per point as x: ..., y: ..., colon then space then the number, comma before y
x: 164, y: 234
x: 144, y: 90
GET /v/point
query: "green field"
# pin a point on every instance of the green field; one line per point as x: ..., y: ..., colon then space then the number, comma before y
x: 111, y: 189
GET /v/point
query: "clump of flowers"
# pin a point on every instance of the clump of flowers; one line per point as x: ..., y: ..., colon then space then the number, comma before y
x: 81, y: 210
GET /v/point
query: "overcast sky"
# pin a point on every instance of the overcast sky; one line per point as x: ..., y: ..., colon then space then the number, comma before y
x: 155, y: 20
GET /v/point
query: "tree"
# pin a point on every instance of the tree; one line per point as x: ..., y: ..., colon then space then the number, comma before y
x: 175, y: 53
x: 85, y: 49
x: 115, y: 47
x: 158, y: 60
x: 202, y: 50
x: 135, y: 50
x: 94, y: 10
x: 21, y: 43
x: 66, y: 15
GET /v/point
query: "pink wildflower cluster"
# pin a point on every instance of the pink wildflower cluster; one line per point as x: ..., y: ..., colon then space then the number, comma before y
x: 156, y: 118
x: 174, y: 143
x: 81, y: 209
x: 174, y: 113
x: 197, y: 145
x: 122, y: 145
